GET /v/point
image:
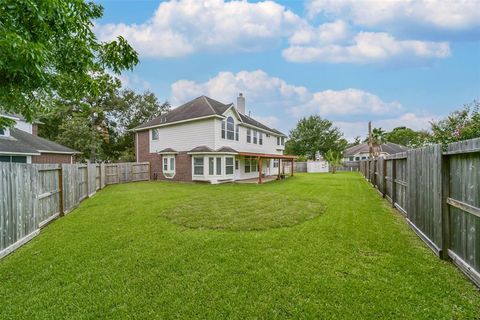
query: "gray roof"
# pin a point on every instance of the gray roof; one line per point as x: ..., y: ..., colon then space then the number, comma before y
x: 388, y: 147
x: 226, y: 149
x: 201, y: 107
x: 23, y: 142
x: 210, y: 150
x: 167, y: 150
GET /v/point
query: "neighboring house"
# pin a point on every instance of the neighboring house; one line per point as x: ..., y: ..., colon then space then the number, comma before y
x: 206, y: 140
x: 361, y: 151
x: 21, y: 144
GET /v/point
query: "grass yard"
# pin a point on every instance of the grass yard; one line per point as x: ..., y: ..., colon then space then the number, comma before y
x: 314, y: 246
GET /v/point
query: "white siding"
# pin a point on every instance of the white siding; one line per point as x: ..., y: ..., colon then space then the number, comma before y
x: 185, y: 136
x: 24, y: 126
x: 269, y: 143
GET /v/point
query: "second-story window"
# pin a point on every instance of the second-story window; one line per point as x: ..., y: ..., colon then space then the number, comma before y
x: 237, y: 132
x: 260, y: 138
x: 155, y: 134
x: 249, y: 135
x: 278, y: 141
x: 283, y: 141
x: 255, y: 136
x: 230, y: 128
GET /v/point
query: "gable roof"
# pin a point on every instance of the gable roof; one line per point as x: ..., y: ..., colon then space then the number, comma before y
x: 22, y: 142
x: 388, y: 147
x: 200, y: 107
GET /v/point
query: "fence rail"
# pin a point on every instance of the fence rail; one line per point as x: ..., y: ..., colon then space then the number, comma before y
x: 439, y: 194
x: 32, y: 195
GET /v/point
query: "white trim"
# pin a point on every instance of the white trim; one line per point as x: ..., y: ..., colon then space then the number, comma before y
x: 169, y: 174
x: 235, y: 111
x: 136, y: 146
x: 19, y: 153
x: 176, y: 122
x: 19, y: 243
x: 9, y: 117
x: 57, y: 152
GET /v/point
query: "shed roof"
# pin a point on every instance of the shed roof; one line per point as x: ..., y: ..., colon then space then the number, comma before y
x: 23, y: 142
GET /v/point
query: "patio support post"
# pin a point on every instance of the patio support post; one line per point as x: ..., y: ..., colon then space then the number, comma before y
x: 279, y: 169
x: 259, y: 170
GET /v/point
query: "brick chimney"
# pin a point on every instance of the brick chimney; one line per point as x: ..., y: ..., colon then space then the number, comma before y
x: 241, y: 103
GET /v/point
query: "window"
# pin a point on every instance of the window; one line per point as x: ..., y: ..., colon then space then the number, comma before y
x: 357, y: 158
x: 2, y: 132
x: 278, y: 141
x: 223, y: 129
x: 154, y: 134
x: 230, y: 128
x: 255, y: 136
x: 260, y: 138
x: 249, y: 135
x: 169, y: 166
x: 251, y: 164
x: 275, y: 163
x: 236, y: 164
x: 228, y: 165
x: 218, y: 166
x: 211, y: 166
x: 198, y: 166
x: 283, y: 141
x: 237, y: 132
x: 17, y: 159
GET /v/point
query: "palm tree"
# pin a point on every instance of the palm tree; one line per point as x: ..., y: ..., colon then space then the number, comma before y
x: 334, y: 159
x: 378, y: 138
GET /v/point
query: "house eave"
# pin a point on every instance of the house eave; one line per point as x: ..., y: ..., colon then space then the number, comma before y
x: 175, y: 122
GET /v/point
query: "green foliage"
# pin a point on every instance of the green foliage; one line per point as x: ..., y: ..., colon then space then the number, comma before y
x: 459, y: 125
x: 334, y: 159
x: 48, y: 51
x: 314, y: 134
x: 407, y: 137
x: 378, y: 136
x: 118, y: 257
x: 103, y: 123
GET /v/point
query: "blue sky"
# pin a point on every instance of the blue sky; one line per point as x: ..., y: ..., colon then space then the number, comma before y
x: 395, y: 63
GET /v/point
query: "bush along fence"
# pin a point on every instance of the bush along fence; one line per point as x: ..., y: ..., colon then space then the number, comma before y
x: 32, y: 195
x: 438, y: 192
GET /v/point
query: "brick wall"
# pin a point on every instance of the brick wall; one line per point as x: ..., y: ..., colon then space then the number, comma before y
x: 35, y: 129
x: 52, y: 158
x: 183, y: 164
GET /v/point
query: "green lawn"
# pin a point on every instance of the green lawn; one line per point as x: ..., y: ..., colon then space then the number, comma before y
x: 313, y: 246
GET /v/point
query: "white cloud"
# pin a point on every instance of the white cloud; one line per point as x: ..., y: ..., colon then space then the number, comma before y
x: 179, y: 28
x: 441, y: 14
x: 275, y: 96
x: 330, y: 32
x: 352, y: 129
x: 367, y: 47
x: 345, y: 102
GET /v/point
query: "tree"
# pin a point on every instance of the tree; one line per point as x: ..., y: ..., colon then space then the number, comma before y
x: 334, y: 159
x: 49, y: 51
x: 314, y: 134
x: 378, y: 138
x: 407, y: 137
x: 108, y: 117
x: 459, y: 125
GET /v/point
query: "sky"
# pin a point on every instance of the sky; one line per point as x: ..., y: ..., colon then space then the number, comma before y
x: 395, y: 63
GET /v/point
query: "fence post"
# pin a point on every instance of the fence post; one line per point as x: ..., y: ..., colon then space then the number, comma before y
x: 394, y: 185
x: 60, y: 187
x: 384, y: 175
x: 445, y: 190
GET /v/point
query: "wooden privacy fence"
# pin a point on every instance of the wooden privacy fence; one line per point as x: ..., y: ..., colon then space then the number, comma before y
x: 32, y: 195
x: 438, y: 191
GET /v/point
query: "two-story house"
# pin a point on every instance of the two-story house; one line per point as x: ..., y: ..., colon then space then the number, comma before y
x: 206, y: 140
x: 22, y: 144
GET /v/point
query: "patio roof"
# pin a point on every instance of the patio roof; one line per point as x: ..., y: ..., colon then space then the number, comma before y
x: 268, y: 155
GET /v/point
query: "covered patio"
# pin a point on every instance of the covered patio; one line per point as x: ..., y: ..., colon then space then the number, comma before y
x: 281, y: 165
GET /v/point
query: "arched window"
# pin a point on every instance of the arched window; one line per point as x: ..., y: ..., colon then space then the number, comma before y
x: 229, y: 127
